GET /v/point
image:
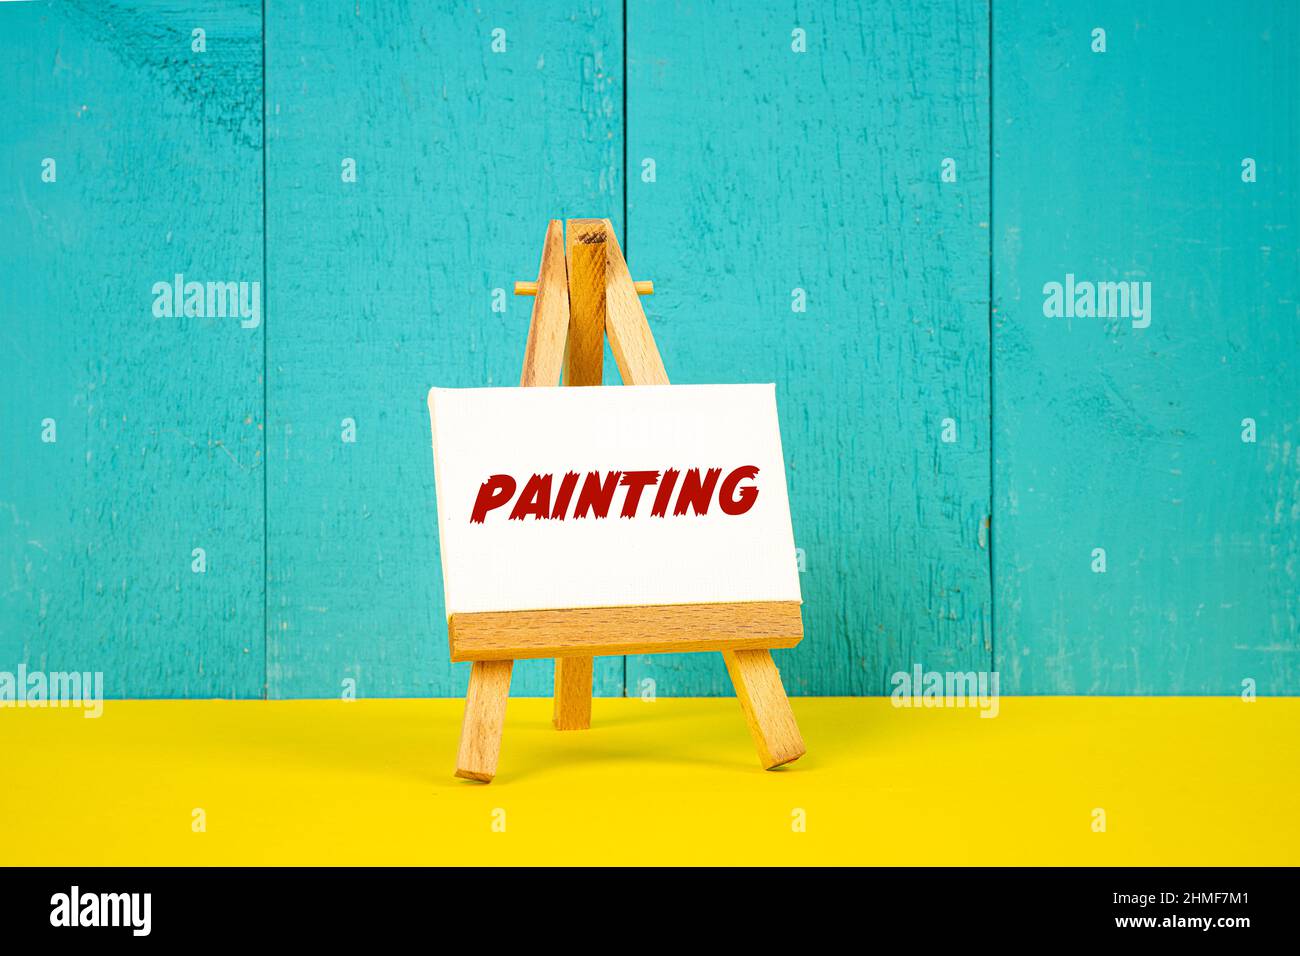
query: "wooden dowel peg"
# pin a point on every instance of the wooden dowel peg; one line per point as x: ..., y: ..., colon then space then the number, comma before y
x: 644, y: 287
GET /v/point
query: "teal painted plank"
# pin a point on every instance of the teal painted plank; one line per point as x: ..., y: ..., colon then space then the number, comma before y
x: 1127, y: 165
x: 157, y: 420
x: 776, y: 171
x: 817, y: 171
x: 382, y: 287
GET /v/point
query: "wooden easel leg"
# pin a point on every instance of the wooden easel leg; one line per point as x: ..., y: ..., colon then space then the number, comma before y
x: 767, y: 709
x: 572, y: 693
x: 485, y: 715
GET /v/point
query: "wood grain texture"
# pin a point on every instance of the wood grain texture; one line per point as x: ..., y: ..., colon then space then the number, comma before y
x: 643, y: 287
x: 821, y: 172
x: 584, y: 352
x: 383, y: 287
x: 484, y: 721
x: 583, y: 357
x: 158, y: 421
x: 572, y: 710
x: 646, y: 629
x: 1127, y: 166
x: 816, y: 171
x: 549, y: 326
x: 629, y: 333
x: 766, y: 707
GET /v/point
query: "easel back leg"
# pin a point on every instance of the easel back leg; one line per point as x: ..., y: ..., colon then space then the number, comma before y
x: 572, y: 693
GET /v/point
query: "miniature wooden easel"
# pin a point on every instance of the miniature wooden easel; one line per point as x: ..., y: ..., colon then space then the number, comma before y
x: 585, y: 292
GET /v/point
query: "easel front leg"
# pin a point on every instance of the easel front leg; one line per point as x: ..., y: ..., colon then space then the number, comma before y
x: 572, y: 693
x: 485, y: 716
x: 767, y: 709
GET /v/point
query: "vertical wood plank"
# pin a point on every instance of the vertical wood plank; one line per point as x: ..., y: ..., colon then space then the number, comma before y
x: 1127, y: 166
x: 385, y: 286
x: 812, y: 180
x: 485, y: 717
x: 584, y: 357
x: 584, y: 354
x: 766, y: 707
x: 630, y: 338
x: 549, y: 326
x: 154, y: 441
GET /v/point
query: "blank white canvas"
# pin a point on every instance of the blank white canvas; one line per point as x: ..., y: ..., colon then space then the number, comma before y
x: 518, y: 565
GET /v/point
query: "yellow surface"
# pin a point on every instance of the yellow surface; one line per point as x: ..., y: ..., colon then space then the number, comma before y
x: 1182, y: 781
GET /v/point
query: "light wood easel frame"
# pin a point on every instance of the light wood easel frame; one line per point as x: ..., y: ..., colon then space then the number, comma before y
x: 585, y: 292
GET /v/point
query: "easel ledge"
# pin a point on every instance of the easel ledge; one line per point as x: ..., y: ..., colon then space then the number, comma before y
x: 585, y: 293
x: 644, y: 629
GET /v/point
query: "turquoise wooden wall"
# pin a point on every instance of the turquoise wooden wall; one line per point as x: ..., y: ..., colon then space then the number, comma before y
x: 1128, y: 165
x: 158, y: 423
x: 744, y: 177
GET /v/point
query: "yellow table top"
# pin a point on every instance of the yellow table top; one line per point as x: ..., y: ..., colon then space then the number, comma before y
x: 1181, y: 781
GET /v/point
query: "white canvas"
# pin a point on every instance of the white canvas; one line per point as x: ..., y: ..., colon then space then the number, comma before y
x: 504, y: 564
